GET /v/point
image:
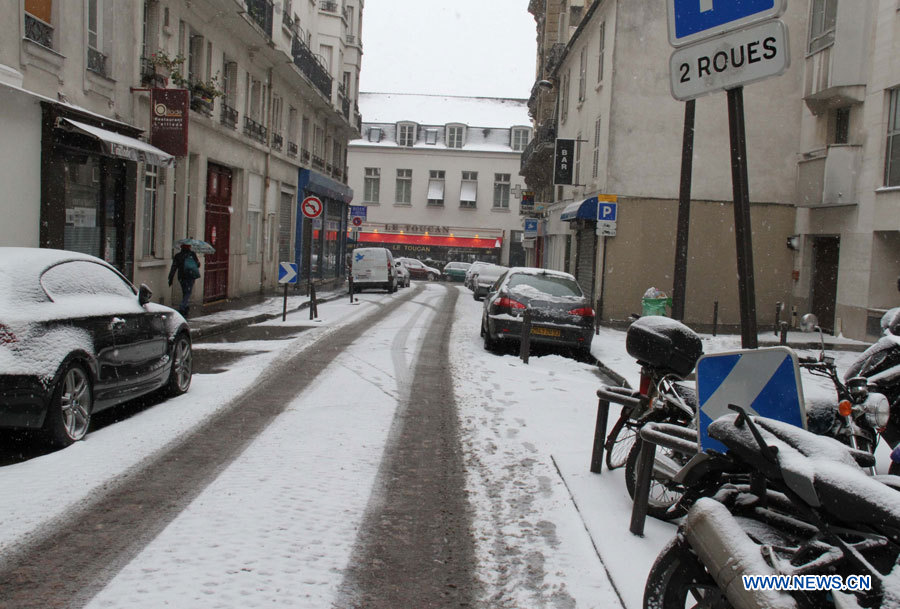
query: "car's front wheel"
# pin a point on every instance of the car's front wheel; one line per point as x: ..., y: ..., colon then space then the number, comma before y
x: 182, y: 366
x: 69, y: 415
x: 431, y: 276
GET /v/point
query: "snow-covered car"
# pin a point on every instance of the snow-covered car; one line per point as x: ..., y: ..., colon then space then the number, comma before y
x: 419, y: 270
x: 76, y: 337
x: 484, y: 278
x: 455, y: 271
x: 472, y: 270
x: 402, y: 274
x: 561, y: 314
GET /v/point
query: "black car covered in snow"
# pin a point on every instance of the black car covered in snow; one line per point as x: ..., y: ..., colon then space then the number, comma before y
x: 561, y: 313
x: 76, y: 337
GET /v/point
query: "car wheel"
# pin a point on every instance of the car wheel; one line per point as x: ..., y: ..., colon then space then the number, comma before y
x: 69, y: 415
x: 182, y: 366
x: 490, y: 344
x: 431, y: 276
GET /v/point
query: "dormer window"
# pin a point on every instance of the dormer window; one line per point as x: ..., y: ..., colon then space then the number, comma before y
x: 456, y: 136
x: 519, y: 138
x: 374, y: 134
x: 431, y: 136
x: 406, y: 134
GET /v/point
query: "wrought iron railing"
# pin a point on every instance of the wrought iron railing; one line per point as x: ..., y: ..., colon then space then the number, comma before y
x: 96, y: 61
x: 304, y: 155
x: 201, y: 104
x: 318, y: 161
x: 351, y: 39
x: 277, y: 141
x: 286, y: 18
x: 328, y: 5
x: 148, y: 73
x: 309, y: 65
x: 260, y: 11
x: 229, y: 116
x: 292, y: 149
x: 254, y: 130
x: 345, y: 107
x: 38, y: 31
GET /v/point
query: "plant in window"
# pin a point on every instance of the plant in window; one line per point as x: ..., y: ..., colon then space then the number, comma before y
x: 165, y: 66
x: 208, y: 90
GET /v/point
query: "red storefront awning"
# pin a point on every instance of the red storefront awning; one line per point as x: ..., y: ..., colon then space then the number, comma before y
x: 489, y: 243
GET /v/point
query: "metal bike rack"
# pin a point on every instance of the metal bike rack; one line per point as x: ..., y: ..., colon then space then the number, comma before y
x: 667, y: 435
x: 607, y: 394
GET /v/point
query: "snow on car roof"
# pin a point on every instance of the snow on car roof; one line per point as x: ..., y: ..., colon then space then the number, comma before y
x: 21, y: 268
x: 530, y: 270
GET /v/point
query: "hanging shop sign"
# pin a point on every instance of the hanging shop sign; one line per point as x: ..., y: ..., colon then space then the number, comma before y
x: 169, y: 110
x: 563, y: 161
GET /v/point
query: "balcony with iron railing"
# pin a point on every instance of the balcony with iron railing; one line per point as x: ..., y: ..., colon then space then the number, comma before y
x: 311, y: 67
x: 277, y: 141
x: 318, y: 162
x: 345, y: 107
x: 96, y: 62
x: 350, y: 39
x: 38, y: 31
x: 261, y: 12
x: 254, y: 130
x: 229, y: 116
x: 328, y: 5
x: 291, y: 149
x: 304, y: 155
x: 286, y: 19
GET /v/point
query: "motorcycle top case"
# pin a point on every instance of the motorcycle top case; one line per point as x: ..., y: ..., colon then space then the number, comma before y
x: 663, y: 343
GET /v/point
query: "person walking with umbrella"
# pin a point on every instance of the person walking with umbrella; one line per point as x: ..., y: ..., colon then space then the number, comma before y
x: 187, y: 266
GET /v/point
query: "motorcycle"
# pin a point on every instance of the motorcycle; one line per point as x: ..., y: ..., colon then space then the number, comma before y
x: 880, y: 366
x: 859, y: 413
x: 785, y: 504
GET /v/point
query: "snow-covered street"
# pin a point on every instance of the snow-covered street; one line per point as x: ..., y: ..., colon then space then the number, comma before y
x: 278, y: 526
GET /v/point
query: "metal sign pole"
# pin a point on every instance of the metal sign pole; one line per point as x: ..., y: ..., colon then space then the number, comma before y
x: 679, y: 286
x: 741, y: 190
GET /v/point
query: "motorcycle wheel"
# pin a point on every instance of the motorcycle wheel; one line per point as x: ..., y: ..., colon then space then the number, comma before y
x: 678, y: 579
x: 619, y: 443
x: 661, y: 496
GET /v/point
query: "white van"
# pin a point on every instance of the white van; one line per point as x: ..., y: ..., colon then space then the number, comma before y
x: 373, y: 267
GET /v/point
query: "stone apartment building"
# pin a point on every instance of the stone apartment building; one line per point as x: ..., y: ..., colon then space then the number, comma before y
x: 438, y: 176
x: 271, y: 112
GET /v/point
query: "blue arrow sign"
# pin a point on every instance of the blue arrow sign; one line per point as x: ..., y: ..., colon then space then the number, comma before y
x: 692, y: 20
x: 287, y: 272
x: 765, y: 382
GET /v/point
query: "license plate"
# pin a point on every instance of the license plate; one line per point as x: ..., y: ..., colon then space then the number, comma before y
x: 546, y: 331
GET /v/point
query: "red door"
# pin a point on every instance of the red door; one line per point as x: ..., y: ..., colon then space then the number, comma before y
x: 218, y: 231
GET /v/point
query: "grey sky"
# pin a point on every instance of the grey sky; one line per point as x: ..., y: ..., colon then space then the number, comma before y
x: 448, y: 47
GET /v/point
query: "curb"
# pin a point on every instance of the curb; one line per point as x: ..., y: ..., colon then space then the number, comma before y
x: 225, y: 326
x: 618, y: 378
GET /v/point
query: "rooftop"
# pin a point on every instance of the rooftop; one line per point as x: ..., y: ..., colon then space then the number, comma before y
x: 443, y: 109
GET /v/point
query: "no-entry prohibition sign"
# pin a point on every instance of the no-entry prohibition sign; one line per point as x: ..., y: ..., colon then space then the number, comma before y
x: 311, y: 207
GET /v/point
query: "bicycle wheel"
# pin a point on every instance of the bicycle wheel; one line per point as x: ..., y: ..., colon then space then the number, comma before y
x: 619, y: 443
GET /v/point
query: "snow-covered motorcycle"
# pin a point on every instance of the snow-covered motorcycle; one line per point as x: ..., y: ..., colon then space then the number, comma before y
x: 782, y: 504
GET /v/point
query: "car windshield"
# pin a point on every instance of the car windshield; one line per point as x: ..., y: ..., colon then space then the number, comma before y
x: 490, y: 273
x: 552, y: 285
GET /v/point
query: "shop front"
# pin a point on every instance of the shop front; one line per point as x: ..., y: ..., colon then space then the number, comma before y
x: 322, y: 240
x: 582, y: 217
x: 89, y: 184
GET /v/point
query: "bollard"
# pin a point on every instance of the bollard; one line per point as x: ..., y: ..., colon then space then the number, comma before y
x: 778, y: 307
x: 784, y: 328
x: 525, y: 339
x: 715, y: 317
x: 597, y: 317
x: 284, y: 308
x: 313, y: 307
x: 599, y: 436
x: 351, y: 289
x: 642, y: 487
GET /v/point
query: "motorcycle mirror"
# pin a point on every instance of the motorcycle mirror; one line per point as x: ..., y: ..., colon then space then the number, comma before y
x: 809, y: 323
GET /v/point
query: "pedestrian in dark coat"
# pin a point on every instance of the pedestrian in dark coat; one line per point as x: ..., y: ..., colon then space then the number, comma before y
x: 187, y: 266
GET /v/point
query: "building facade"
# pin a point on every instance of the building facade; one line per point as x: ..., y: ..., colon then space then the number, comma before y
x: 268, y: 125
x: 606, y: 64
x: 439, y: 176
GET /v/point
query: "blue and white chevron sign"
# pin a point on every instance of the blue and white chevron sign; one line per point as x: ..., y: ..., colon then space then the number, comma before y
x: 765, y: 382
x: 287, y: 272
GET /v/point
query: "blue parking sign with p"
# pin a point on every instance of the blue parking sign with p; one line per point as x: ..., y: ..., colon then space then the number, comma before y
x: 606, y: 212
x: 691, y: 20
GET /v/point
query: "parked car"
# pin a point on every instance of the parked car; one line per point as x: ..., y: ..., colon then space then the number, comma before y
x: 561, y: 314
x: 373, y: 267
x: 472, y: 270
x: 455, y: 271
x: 419, y: 270
x: 484, y: 278
x: 76, y: 337
x: 402, y: 274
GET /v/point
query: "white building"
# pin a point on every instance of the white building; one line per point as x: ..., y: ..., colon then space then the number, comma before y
x: 439, y: 175
x: 268, y: 124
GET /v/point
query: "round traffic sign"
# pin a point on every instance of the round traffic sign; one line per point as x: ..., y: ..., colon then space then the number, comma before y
x: 311, y: 207
x: 356, y: 221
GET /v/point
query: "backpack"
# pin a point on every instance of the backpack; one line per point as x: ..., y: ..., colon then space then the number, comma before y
x: 191, y: 269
